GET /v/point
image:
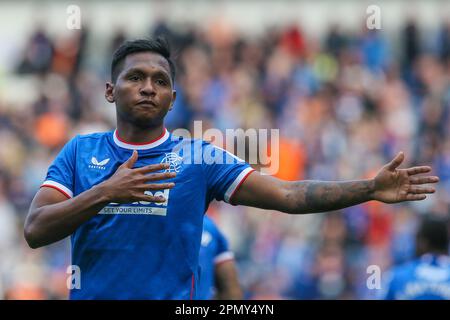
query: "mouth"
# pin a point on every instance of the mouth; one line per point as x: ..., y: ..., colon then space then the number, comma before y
x: 146, y: 103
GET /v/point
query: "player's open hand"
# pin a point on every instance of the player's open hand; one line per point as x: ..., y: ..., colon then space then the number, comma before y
x: 395, y: 185
x: 128, y: 185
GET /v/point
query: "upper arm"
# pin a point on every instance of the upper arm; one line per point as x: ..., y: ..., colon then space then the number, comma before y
x: 46, y: 196
x: 35, y: 223
x: 263, y: 191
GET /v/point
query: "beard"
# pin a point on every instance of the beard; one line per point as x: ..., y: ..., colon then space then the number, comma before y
x: 145, y: 120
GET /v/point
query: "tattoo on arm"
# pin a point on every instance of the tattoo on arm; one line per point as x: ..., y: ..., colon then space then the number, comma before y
x: 321, y: 196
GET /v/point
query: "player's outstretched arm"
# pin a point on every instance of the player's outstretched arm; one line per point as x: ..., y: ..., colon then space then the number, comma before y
x: 390, y: 185
x: 53, y: 217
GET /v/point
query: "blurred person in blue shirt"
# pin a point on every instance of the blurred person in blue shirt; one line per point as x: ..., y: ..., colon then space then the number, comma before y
x: 219, y: 278
x: 428, y: 276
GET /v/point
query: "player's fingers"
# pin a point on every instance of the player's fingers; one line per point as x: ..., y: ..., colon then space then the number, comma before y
x: 148, y: 198
x: 131, y: 160
x: 415, y: 197
x: 153, y: 167
x: 159, y: 176
x: 423, y: 180
x: 420, y: 190
x: 396, y: 161
x: 418, y: 170
x: 156, y: 186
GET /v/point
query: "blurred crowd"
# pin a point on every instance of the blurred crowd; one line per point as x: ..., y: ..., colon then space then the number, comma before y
x: 344, y: 103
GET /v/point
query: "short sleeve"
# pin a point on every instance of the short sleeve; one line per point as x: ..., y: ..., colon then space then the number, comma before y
x: 223, y: 252
x: 224, y: 172
x: 61, y: 173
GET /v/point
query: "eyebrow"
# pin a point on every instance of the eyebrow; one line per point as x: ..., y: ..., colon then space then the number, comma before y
x: 140, y: 71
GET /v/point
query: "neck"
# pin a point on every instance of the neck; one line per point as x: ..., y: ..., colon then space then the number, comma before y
x: 132, y: 134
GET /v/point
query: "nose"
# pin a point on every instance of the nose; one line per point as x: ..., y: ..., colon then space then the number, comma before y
x: 147, y: 88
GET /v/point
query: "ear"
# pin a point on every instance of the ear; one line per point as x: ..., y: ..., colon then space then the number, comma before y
x: 109, y: 92
x: 174, y: 96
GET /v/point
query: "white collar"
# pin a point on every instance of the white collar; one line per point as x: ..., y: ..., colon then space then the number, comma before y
x: 141, y: 146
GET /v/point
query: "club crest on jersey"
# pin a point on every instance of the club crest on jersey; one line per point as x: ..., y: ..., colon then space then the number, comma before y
x: 174, y: 161
x: 95, y: 164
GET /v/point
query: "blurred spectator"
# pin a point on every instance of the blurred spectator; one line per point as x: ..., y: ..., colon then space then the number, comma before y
x: 428, y: 276
x: 38, y: 53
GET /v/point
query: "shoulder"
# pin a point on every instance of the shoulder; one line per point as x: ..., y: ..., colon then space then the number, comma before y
x: 89, y: 140
x: 208, y: 224
x: 188, y: 141
x: 73, y: 145
x: 190, y: 146
x: 93, y: 136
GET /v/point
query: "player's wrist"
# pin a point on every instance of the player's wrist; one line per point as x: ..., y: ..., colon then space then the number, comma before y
x: 372, y: 190
x: 102, y: 193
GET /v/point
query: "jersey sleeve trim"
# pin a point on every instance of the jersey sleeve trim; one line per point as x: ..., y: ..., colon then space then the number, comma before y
x: 58, y: 186
x: 224, y: 256
x: 237, y: 183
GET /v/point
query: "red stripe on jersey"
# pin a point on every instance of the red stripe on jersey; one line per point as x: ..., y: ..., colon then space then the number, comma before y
x: 242, y: 181
x: 60, y: 190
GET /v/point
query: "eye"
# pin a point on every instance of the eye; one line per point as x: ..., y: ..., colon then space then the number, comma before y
x: 134, y: 77
x: 161, y: 82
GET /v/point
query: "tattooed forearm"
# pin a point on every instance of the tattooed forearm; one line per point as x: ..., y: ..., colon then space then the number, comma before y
x: 321, y: 196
